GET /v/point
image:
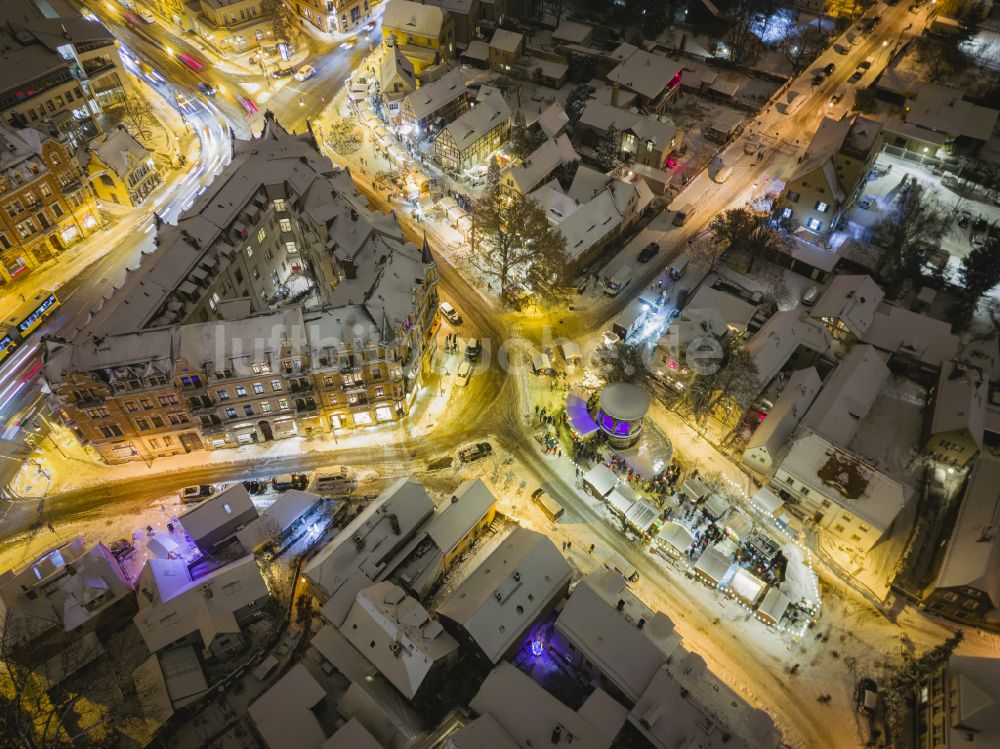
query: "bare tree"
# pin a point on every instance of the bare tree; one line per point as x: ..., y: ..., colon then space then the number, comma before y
x: 138, y: 118
x: 724, y: 391
x: 914, y: 223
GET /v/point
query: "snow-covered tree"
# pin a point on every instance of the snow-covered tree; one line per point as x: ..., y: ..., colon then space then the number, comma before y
x: 608, y: 152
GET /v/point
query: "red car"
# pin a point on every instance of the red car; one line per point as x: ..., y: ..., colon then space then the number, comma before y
x: 248, y: 106
x: 192, y: 62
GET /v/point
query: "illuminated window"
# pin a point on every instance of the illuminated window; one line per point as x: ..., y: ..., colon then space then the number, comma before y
x: 261, y: 234
x: 286, y: 224
x: 786, y: 212
x: 822, y: 207
x: 279, y: 204
x: 649, y: 145
x: 814, y: 224
x: 290, y: 248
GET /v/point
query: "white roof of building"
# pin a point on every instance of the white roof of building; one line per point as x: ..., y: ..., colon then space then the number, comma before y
x: 587, y: 182
x: 944, y: 110
x: 477, y: 50
x: 767, y: 501
x: 601, y: 117
x: 660, y: 131
x: 670, y: 719
x: 527, y: 175
x: 172, y: 606
x: 276, y: 519
x: 601, y: 478
x: 847, y: 395
x: 572, y: 32
x: 624, y: 400
x: 39, y: 596
x: 504, y: 594
x: 972, y: 557
x: 214, y: 512
x: 960, y: 401
x: 973, y: 698
x: 395, y: 64
x: 603, y: 215
x: 182, y: 674
x: 850, y: 482
x: 553, y: 120
x: 413, y: 18
x: 713, y: 564
x: 396, y: 634
x: 490, y: 110
x: 117, y: 148
x: 825, y: 144
x: 676, y: 536
x: 284, y: 716
x: 774, y: 606
x: 851, y: 299
x: 558, y: 206
x: 482, y: 733
x: 643, y: 72
x: 529, y: 714
x: 628, y: 645
x: 779, y: 424
x: 735, y: 311
x: 908, y: 333
x: 773, y: 345
x: 747, y: 586
x: 467, y: 506
x: 506, y: 41
x: 356, y: 556
x: 430, y: 98
x: 351, y: 735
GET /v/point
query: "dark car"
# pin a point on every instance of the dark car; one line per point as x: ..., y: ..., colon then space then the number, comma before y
x: 867, y: 697
x: 828, y: 70
x: 282, y: 72
x: 206, y: 88
x: 477, y: 452
x: 648, y: 252
x: 818, y: 79
x: 856, y: 76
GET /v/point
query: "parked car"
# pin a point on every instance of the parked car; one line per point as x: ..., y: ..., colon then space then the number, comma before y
x: 648, y: 252
x: 473, y: 349
x: 282, y: 72
x: 450, y: 313
x: 477, y: 452
x: 964, y: 217
x: 810, y: 295
x: 828, y: 70
x: 206, y: 88
x: 866, y: 64
x: 867, y: 697
x: 867, y: 201
x: 464, y: 373
x: 836, y: 98
x: 305, y: 72
x: 818, y: 79
x: 196, y: 492
x: 856, y: 76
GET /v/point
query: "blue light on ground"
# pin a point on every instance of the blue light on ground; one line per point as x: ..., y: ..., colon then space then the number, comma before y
x: 775, y: 27
x: 537, y: 648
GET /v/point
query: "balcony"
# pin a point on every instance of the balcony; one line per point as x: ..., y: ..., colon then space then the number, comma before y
x: 349, y: 387
x: 360, y: 402
x: 306, y: 407
x: 302, y: 386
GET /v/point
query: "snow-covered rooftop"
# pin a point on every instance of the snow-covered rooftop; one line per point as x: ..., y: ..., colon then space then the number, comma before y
x: 960, y: 401
x: 490, y: 110
x: 839, y: 475
x: 506, y: 41
x: 356, y: 556
x: 629, y: 643
x: 945, y: 110
x: 284, y: 715
x: 527, y: 175
x: 214, y: 512
x: 645, y: 73
x: 118, y: 150
x: 972, y: 557
x: 430, y: 98
x: 413, y: 18
x: 397, y: 635
x: 902, y: 331
x: 572, y: 32
x: 552, y: 120
x: 467, y: 506
x: 507, y: 591
x: 529, y: 714
x: 847, y: 395
x: 277, y: 518
x: 735, y: 311
x: 779, y: 424
x: 852, y: 300
x: 482, y: 733
x: 773, y: 345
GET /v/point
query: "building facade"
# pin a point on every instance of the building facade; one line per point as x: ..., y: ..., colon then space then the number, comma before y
x: 470, y: 139
x: 233, y: 26
x: 67, y: 71
x: 120, y: 169
x: 832, y: 174
x: 424, y: 33
x: 275, y: 309
x: 335, y: 15
x: 47, y: 205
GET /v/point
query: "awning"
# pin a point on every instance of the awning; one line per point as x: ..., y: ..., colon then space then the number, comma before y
x: 694, y: 489
x: 571, y: 352
x: 578, y: 417
x: 641, y: 515
x: 767, y: 501
x: 713, y: 565
x: 600, y: 480
x: 746, y: 587
x: 716, y: 506
x: 773, y: 607
x: 619, y: 503
x: 675, y: 537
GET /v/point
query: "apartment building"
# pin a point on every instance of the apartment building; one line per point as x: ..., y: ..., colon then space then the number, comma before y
x: 279, y: 305
x: 506, y: 48
x: 954, y: 433
x: 120, y: 169
x: 58, y: 72
x: 46, y: 203
x: 439, y: 102
x: 335, y: 15
x: 832, y: 173
x: 233, y: 26
x: 424, y: 33
x: 956, y: 705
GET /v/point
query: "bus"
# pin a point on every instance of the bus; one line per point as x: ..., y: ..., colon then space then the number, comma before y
x: 26, y: 319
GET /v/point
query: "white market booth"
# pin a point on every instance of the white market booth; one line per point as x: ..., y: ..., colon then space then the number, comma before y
x: 773, y: 607
x: 674, y: 539
x: 713, y: 566
x: 600, y: 480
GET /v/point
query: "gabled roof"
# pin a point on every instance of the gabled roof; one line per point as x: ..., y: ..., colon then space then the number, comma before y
x: 773, y: 345
x: 825, y: 144
x: 396, y: 634
x: 645, y: 73
x: 490, y: 110
x: 394, y: 63
x: 118, y: 149
x: 847, y: 395
x: 428, y: 99
x: 413, y: 18
x: 284, y: 714
x: 972, y: 556
x: 552, y: 120
x: 468, y: 505
x: 851, y: 299
x: 506, y: 41
x: 907, y: 333
x: 960, y: 401
x: 530, y: 173
x: 626, y: 641
x: 507, y: 591
x: 214, y: 512
x: 779, y: 424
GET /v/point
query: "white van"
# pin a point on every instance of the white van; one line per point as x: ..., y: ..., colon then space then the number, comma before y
x: 723, y: 174
x: 617, y: 562
x: 679, y: 266
x: 793, y: 101
x: 618, y: 280
x: 464, y: 373
x: 333, y: 480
